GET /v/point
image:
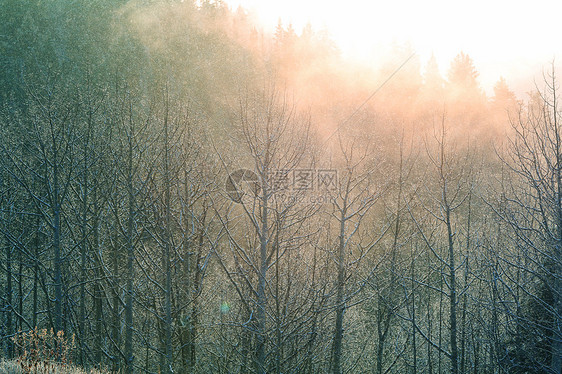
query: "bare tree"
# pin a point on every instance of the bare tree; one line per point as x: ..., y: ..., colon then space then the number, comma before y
x: 531, y: 203
x: 355, y: 195
x: 444, y: 196
x: 275, y: 137
x: 51, y: 122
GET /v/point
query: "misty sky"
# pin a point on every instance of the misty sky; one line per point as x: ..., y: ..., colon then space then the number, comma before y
x: 505, y: 38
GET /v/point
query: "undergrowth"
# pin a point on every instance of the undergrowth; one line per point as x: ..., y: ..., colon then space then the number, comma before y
x: 43, y: 352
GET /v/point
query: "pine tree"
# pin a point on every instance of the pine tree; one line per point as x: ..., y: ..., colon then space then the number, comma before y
x: 433, y: 80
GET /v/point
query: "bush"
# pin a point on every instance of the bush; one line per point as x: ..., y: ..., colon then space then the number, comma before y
x: 43, y: 352
x: 43, y: 346
x: 16, y: 367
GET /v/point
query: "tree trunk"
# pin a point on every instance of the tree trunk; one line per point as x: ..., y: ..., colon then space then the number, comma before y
x: 8, y: 307
x: 116, y: 336
x: 340, y: 305
x: 130, y: 260
x: 98, y: 291
x: 452, y: 296
x: 262, y: 301
x: 58, y: 263
x: 83, y: 264
x: 167, y: 253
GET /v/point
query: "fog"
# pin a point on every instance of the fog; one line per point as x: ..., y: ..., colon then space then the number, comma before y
x: 504, y: 38
x: 298, y: 187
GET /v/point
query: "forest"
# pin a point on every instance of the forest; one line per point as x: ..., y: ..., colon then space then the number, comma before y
x: 184, y: 192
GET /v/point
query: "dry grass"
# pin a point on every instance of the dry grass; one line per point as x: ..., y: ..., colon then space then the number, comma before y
x: 42, y: 351
x: 19, y: 367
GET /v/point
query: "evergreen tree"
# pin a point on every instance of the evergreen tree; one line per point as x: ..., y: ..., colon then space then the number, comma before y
x: 433, y: 80
x: 462, y: 73
x: 503, y: 95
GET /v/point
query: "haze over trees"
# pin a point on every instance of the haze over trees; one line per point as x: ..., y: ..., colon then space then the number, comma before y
x: 182, y: 192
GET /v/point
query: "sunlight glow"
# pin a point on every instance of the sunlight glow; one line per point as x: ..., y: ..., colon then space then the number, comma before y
x: 504, y: 38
